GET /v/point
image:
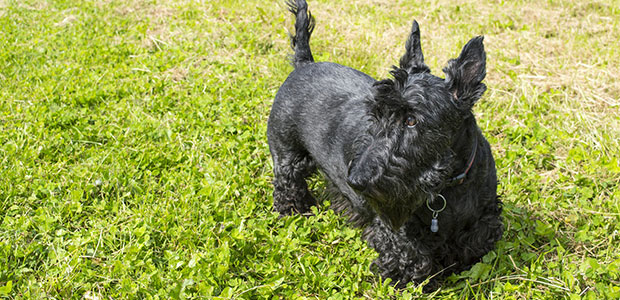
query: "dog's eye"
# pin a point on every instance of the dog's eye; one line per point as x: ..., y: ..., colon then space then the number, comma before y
x: 411, y: 122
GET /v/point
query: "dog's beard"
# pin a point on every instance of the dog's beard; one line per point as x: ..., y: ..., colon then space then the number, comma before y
x: 399, y: 193
x: 394, y: 210
x: 395, y: 199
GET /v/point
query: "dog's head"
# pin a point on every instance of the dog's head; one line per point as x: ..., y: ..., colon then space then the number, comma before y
x: 414, y: 120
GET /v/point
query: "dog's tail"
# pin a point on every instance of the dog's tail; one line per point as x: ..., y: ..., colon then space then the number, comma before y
x: 304, y: 25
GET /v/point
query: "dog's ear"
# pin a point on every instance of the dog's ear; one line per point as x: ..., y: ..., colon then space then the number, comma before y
x: 413, y: 60
x: 464, y: 74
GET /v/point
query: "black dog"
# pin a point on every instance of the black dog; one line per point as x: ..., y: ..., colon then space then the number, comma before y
x: 406, y: 154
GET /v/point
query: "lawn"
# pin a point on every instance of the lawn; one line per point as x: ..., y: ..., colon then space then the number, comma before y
x: 134, y: 159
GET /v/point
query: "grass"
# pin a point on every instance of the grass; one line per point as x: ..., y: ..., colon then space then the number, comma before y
x: 134, y: 162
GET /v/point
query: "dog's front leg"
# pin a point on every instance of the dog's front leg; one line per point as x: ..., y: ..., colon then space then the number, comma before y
x: 400, y: 258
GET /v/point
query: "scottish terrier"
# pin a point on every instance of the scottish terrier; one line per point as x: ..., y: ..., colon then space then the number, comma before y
x: 405, y: 155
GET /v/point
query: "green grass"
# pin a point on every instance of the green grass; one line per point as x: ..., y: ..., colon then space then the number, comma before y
x: 134, y: 162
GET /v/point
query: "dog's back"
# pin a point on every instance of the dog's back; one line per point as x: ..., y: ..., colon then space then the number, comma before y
x: 317, y: 110
x: 304, y: 107
x: 314, y: 99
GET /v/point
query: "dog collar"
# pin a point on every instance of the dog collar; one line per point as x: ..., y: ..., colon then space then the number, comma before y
x: 458, y: 179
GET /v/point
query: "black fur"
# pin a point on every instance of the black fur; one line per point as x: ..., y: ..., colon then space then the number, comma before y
x: 354, y: 130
